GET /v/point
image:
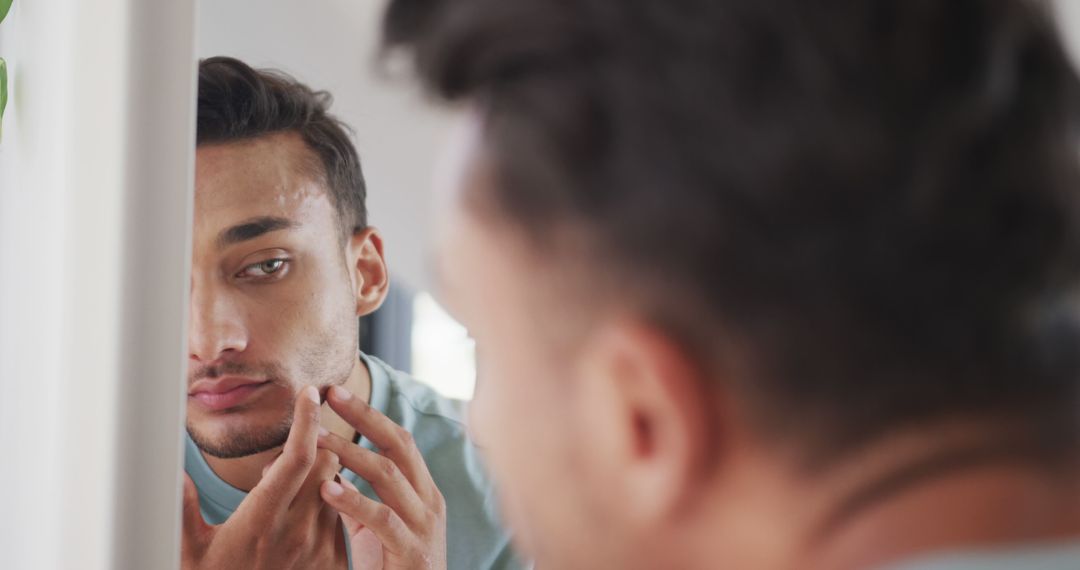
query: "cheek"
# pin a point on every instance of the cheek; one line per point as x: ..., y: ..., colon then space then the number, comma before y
x: 327, y: 330
x: 306, y: 324
x: 518, y: 400
x: 311, y: 301
x: 521, y: 419
x: 503, y: 413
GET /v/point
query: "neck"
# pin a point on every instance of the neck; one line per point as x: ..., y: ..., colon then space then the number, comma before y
x: 894, y: 502
x: 245, y: 472
x: 985, y: 507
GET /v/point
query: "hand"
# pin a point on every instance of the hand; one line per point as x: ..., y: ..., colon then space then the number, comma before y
x: 407, y: 530
x: 282, y: 523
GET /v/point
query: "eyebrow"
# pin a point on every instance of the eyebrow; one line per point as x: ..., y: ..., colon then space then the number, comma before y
x: 253, y: 228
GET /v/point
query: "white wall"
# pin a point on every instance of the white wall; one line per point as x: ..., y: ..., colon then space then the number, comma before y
x: 331, y: 45
x: 95, y: 191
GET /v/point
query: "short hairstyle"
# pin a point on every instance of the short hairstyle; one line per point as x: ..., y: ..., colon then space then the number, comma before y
x: 876, y: 199
x: 237, y: 103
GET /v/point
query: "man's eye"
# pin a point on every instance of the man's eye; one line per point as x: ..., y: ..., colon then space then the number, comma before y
x: 263, y: 268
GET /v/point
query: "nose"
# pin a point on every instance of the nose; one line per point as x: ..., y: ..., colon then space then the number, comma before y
x: 215, y: 326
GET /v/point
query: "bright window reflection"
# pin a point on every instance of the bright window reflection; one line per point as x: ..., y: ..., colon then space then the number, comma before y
x: 443, y: 354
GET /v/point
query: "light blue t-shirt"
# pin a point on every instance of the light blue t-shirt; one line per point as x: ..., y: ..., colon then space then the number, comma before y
x: 475, y: 540
x: 1034, y: 557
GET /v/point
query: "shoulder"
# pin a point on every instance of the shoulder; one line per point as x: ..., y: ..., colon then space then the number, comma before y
x: 417, y: 406
x: 421, y: 398
x: 475, y: 537
x: 437, y: 425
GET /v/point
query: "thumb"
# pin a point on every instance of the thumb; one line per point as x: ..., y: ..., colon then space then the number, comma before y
x: 193, y: 522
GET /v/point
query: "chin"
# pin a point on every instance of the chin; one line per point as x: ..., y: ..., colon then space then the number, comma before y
x: 238, y: 434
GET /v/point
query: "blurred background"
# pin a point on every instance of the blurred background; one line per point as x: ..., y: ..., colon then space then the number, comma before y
x: 95, y: 188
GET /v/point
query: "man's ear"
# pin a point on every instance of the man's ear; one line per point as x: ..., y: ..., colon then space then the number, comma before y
x: 652, y: 421
x: 367, y: 266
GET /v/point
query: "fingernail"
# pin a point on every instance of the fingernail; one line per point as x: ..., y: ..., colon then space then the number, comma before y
x: 334, y: 489
x: 323, y: 432
x: 312, y: 394
x: 341, y: 393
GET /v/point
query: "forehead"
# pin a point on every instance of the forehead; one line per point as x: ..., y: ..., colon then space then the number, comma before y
x: 482, y: 260
x: 462, y: 244
x: 265, y: 176
x: 490, y: 271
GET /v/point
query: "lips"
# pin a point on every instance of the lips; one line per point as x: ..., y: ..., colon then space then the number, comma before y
x: 226, y: 392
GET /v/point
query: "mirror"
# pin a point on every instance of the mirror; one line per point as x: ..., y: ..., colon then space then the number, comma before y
x: 309, y: 272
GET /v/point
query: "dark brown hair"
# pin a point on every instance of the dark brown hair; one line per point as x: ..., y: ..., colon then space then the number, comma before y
x: 877, y: 198
x: 237, y: 102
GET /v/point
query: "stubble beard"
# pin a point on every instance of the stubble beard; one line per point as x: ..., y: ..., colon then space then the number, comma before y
x: 329, y: 362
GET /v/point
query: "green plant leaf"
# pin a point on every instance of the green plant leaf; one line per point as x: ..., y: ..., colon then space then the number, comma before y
x: 5, y: 6
x: 3, y: 93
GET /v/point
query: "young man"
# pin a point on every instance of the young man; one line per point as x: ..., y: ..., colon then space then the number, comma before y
x: 768, y: 283
x: 283, y: 264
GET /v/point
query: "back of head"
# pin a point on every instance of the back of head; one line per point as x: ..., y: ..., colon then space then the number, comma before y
x: 876, y: 200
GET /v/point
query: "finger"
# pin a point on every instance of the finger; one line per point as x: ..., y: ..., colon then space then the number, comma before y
x: 309, y: 508
x: 347, y: 483
x: 307, y: 500
x: 329, y: 519
x: 384, y: 475
x: 195, y: 527
x: 269, y: 500
x: 352, y: 525
x: 367, y: 550
x: 379, y: 518
x: 392, y: 440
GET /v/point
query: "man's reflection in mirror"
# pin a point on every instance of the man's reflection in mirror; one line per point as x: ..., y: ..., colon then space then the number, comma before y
x: 302, y: 451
